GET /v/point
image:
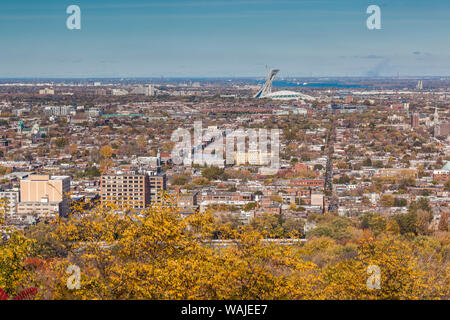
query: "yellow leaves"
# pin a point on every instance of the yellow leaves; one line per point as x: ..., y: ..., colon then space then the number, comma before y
x: 392, y: 227
x: 106, y: 151
x: 157, y: 254
x: 401, y: 278
x: 3, y: 211
x: 13, y: 273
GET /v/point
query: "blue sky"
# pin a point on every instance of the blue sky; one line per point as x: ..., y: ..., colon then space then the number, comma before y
x: 224, y: 38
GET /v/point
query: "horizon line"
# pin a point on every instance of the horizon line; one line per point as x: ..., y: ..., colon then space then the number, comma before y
x: 217, y: 77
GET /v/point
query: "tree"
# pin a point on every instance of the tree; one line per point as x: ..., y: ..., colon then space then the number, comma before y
x: 141, y: 142
x: 106, y: 151
x: 344, y: 179
x: 367, y: 162
x: 387, y: 200
x: 333, y: 227
x: 14, y: 276
x: 200, y: 181
x: 61, y: 142
x: 318, y: 167
x: 392, y: 227
x: 73, y: 149
x: 401, y: 275
x: 423, y: 221
x: 443, y: 221
x: 158, y: 254
x: 213, y: 173
x: 106, y: 163
x: 250, y: 206
x: 421, y: 204
x: 289, y: 134
x: 400, y: 202
x: 26, y: 294
x: 276, y: 198
x: 89, y: 172
x: 374, y: 222
x: 407, y: 222
x: 5, y: 170
x: 447, y: 185
x: 293, y: 226
x: 378, y: 164
x: 269, y: 225
x: 180, y: 180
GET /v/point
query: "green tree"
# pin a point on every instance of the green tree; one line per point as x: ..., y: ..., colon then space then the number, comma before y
x: 407, y: 222
x: 61, y: 142
x: 374, y: 222
x: 250, y: 206
x: 334, y: 227
x: 213, y: 172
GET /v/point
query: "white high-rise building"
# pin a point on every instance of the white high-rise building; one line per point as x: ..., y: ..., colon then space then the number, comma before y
x: 151, y: 90
x: 148, y: 90
x: 119, y: 92
x: 436, y: 117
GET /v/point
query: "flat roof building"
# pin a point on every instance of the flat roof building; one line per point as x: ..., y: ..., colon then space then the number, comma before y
x: 126, y: 188
x: 37, y: 187
x: 43, y: 196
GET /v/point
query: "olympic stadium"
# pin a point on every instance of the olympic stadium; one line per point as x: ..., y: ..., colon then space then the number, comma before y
x: 266, y: 90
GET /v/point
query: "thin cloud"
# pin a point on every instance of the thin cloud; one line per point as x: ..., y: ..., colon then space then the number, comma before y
x: 371, y: 56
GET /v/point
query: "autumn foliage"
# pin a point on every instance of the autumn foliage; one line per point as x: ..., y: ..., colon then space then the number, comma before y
x: 158, y: 254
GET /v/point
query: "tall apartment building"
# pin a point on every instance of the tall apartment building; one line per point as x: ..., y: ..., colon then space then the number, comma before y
x: 414, y: 120
x: 147, y: 90
x: 36, y: 187
x: 95, y: 112
x: 119, y: 92
x: 47, y: 91
x: 158, y: 183
x: 10, y: 199
x: 442, y: 129
x: 59, y: 110
x: 126, y: 188
x: 43, y: 196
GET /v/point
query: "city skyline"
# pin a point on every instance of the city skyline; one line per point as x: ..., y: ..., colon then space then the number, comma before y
x: 223, y: 155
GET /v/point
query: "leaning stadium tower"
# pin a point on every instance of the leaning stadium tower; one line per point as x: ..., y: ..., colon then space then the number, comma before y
x: 267, y: 88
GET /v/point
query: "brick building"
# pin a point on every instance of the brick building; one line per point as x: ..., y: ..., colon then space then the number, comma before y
x: 126, y: 188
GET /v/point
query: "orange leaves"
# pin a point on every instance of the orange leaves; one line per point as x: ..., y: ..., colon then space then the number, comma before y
x: 3, y: 295
x: 26, y: 294
x: 158, y: 254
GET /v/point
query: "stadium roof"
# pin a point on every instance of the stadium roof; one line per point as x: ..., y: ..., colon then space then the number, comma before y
x: 266, y: 90
x: 288, y: 95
